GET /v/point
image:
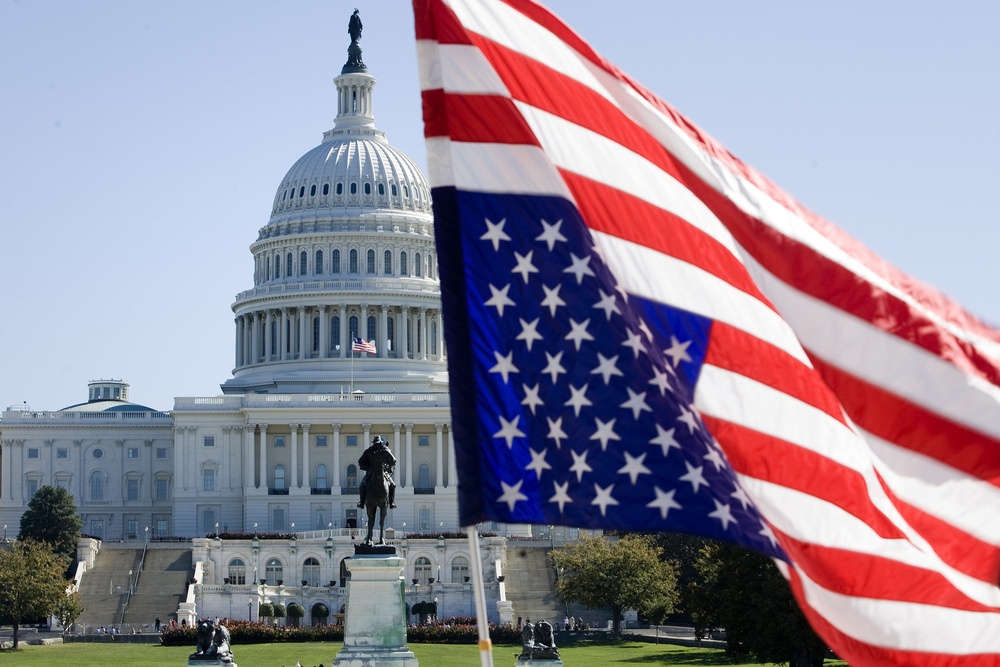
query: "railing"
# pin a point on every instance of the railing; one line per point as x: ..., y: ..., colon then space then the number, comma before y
x: 411, y: 284
x: 271, y: 491
x: 303, y: 400
x: 24, y: 417
x: 423, y: 490
x: 315, y: 491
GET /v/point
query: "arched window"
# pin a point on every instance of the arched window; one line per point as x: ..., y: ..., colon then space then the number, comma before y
x: 312, y: 190
x: 352, y: 476
x: 418, y: 348
x: 334, y: 331
x: 430, y: 266
x: 417, y: 267
x: 354, y: 188
x: 392, y: 189
x: 381, y: 188
x: 353, y: 262
x: 422, y: 570
x: 387, y: 263
x: 310, y: 572
x: 368, y: 188
x: 288, y: 265
x: 390, y: 334
x: 402, y: 264
x: 267, y: 271
x: 302, y: 191
x: 98, y: 484
x: 318, y: 269
x: 406, y: 190
x: 335, y: 262
x: 326, y: 188
x: 459, y: 569
x: 274, y: 571
x: 371, y: 261
x: 288, y: 336
x: 423, y: 476
x: 274, y: 337
x: 372, y: 332
x: 315, y: 347
x: 303, y: 262
x: 277, y: 266
x: 237, y: 572
x: 434, y: 338
x: 321, y: 481
x: 352, y: 326
x: 279, y: 477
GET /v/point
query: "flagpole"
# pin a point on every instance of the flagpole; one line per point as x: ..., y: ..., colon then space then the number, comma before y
x: 479, y: 590
x: 352, y: 365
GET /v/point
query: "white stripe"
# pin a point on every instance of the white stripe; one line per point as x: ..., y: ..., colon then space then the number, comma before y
x: 878, y: 357
x: 594, y: 156
x: 503, y: 168
x: 814, y: 521
x: 905, y: 625
x: 966, y: 502
x: 672, y: 281
x: 440, y: 171
x: 457, y: 68
x: 508, y: 27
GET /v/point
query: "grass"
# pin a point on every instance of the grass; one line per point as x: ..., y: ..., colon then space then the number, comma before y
x: 584, y: 654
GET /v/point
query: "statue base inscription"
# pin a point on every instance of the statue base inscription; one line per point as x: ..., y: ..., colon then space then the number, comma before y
x: 375, y: 621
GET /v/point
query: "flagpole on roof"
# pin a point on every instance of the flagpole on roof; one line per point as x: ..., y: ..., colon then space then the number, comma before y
x: 479, y: 591
x: 352, y: 364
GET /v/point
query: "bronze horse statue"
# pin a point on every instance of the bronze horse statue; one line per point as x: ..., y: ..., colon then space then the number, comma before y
x: 376, y: 498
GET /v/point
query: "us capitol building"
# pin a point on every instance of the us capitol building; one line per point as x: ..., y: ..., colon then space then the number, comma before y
x: 348, y: 252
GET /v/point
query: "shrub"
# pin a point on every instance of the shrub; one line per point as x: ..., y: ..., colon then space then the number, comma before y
x: 266, y: 610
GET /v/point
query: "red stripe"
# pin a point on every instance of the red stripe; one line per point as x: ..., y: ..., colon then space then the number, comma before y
x: 433, y: 20
x: 474, y: 118
x: 913, y: 427
x: 862, y: 654
x: 779, y: 462
x: 735, y: 350
x: 866, y: 576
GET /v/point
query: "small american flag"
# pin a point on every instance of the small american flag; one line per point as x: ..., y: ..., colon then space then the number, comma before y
x: 645, y: 333
x: 362, y: 345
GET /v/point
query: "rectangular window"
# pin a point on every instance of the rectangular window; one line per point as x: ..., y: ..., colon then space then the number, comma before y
x: 278, y: 519
x: 32, y: 452
x: 160, y: 528
x: 63, y: 482
x: 32, y: 487
x: 208, y: 479
x: 424, y: 518
x: 62, y: 453
x: 161, y: 452
x: 132, y: 489
x: 279, y: 441
x: 132, y: 529
x: 162, y: 489
x: 423, y: 441
x: 133, y: 452
x: 321, y: 441
x: 210, y: 441
x: 352, y: 441
x: 208, y: 520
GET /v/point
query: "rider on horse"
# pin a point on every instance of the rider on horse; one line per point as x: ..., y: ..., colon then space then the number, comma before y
x: 369, y: 462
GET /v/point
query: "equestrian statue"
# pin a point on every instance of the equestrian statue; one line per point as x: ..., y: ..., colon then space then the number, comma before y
x: 378, y: 491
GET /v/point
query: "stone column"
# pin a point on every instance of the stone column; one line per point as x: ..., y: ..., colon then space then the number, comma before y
x: 440, y: 336
x: 410, y: 471
x: 180, y: 450
x: 324, y: 332
x: 343, y: 332
x: 294, y: 481
x: 263, y: 457
x: 303, y: 348
x: 423, y: 334
x: 452, y: 473
x: 306, y: 477
x: 383, y: 326
x: 268, y: 339
x: 283, y: 334
x: 6, y: 467
x: 439, y: 456
x: 404, y: 343
x: 336, y: 460
x: 239, y: 343
x: 248, y: 433
x: 247, y: 339
x: 255, y: 339
x: 395, y: 451
x: 367, y: 437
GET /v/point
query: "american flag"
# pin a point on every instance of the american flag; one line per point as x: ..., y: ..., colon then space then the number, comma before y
x: 362, y: 345
x: 644, y: 332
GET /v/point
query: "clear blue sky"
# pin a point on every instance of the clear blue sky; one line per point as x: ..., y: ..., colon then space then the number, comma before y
x: 141, y: 144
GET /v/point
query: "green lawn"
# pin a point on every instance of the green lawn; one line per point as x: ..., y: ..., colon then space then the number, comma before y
x: 429, y: 655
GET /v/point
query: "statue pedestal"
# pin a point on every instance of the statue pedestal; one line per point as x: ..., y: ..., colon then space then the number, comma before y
x: 538, y: 662
x: 375, y: 622
x: 209, y: 662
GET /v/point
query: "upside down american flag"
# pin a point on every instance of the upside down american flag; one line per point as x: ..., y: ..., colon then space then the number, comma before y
x: 645, y: 333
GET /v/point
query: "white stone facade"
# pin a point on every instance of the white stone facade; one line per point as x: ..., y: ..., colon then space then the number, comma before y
x: 348, y: 251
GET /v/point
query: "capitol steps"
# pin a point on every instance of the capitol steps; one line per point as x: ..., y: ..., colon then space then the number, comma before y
x: 162, y: 586
x: 531, y: 583
x: 103, y: 588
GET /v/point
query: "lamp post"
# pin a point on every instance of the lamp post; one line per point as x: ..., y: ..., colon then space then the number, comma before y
x: 146, y: 530
x: 216, y: 529
x: 5, y: 532
x: 255, y: 576
x: 130, y: 589
x: 249, y: 609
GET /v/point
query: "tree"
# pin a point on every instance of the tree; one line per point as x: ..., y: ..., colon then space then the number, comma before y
x: 69, y: 609
x: 624, y: 574
x: 266, y: 610
x: 51, y: 517
x: 31, y: 582
x: 279, y: 610
x: 747, y: 595
x: 296, y: 612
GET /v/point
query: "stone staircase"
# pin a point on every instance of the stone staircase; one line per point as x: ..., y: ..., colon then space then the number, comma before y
x: 103, y: 589
x: 162, y: 586
x: 531, y: 583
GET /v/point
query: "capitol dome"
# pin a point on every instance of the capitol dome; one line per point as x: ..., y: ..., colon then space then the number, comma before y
x: 345, y: 265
